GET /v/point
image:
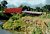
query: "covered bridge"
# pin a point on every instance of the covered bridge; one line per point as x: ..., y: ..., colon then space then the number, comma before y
x: 19, y: 10
x: 12, y: 10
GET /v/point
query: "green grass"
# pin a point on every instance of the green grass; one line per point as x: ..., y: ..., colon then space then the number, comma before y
x: 43, y: 15
x: 48, y: 25
x: 48, y: 16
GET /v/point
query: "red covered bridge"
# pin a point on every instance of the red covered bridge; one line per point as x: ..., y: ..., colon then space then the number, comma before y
x: 13, y: 10
x: 19, y: 10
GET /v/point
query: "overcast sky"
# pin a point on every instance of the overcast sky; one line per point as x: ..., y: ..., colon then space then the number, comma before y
x: 29, y: 2
x: 48, y: 2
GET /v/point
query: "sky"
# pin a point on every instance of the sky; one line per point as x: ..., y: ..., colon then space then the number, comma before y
x: 48, y: 2
x: 26, y: 2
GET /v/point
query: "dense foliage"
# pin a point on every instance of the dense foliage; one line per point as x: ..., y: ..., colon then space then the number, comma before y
x: 14, y: 23
x: 26, y: 24
x: 37, y: 30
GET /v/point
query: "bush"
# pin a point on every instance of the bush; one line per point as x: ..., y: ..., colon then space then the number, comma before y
x: 13, y: 24
x: 26, y: 24
x: 48, y: 16
x: 48, y: 25
x: 37, y: 31
x: 8, y: 24
x: 16, y: 16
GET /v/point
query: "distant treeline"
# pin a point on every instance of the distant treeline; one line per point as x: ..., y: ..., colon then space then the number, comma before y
x: 43, y: 9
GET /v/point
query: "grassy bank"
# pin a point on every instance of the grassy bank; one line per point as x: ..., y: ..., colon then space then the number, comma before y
x: 18, y: 24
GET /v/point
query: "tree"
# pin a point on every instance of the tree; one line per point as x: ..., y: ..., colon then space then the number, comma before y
x: 28, y: 8
x: 31, y: 9
x: 38, y: 9
x: 25, y: 8
x: 4, y: 3
x: 0, y: 7
x: 45, y: 8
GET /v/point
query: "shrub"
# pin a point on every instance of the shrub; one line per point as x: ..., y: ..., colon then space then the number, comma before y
x: 16, y: 16
x: 13, y: 24
x: 8, y: 24
x: 37, y: 30
x: 48, y: 16
x: 48, y: 25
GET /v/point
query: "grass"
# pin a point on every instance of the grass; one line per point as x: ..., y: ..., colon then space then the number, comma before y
x: 48, y: 16
x: 48, y: 25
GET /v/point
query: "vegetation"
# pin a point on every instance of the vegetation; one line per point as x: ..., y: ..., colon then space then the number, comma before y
x: 3, y: 5
x: 27, y: 24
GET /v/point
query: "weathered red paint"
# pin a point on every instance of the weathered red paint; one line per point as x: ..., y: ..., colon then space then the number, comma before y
x: 13, y: 10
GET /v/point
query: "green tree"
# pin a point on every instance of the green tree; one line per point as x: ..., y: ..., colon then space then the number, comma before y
x: 25, y: 8
x: 38, y: 9
x: 4, y: 3
x: 45, y: 9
